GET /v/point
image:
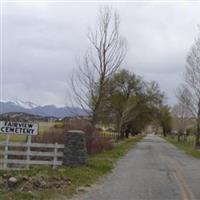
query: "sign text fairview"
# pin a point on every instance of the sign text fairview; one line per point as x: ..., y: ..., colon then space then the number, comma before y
x: 7, y: 127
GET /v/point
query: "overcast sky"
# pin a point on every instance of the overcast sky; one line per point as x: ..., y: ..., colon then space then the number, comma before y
x: 41, y: 42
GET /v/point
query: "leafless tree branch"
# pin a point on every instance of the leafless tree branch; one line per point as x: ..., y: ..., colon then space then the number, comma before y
x: 106, y: 53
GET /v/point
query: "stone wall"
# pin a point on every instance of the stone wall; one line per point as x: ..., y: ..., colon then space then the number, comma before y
x: 75, y: 152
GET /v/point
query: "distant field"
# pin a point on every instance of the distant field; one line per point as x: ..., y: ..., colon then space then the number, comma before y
x: 43, y: 126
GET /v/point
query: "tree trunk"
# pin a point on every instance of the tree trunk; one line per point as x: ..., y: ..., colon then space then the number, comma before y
x: 179, y: 136
x: 93, y: 124
x: 121, y: 132
x: 118, y: 123
x: 127, y: 133
x: 121, y: 129
x: 197, y: 136
x: 164, y: 132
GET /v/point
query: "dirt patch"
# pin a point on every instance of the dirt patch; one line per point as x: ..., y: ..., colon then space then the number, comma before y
x: 36, y: 183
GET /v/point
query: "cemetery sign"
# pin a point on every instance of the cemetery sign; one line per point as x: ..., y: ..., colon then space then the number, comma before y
x: 23, y: 128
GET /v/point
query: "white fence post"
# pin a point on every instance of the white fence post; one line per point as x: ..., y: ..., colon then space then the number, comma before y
x: 55, y: 156
x: 5, y: 164
x: 28, y: 152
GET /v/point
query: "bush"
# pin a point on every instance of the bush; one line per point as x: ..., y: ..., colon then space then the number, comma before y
x: 50, y: 136
x: 95, y: 143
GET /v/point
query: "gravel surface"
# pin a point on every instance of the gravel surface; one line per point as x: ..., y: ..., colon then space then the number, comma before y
x: 153, y: 170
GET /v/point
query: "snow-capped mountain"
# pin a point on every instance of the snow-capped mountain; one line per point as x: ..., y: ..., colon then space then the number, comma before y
x: 19, y: 106
x: 24, y: 104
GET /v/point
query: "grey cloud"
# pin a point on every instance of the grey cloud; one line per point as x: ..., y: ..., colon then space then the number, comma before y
x: 42, y: 42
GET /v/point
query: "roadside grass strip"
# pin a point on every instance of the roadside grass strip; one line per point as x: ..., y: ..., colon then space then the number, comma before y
x: 186, y: 146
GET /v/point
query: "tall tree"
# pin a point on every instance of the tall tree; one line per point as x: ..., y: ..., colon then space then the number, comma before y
x: 131, y: 102
x: 189, y: 93
x: 181, y: 113
x: 125, y: 87
x: 102, y: 60
x: 181, y: 116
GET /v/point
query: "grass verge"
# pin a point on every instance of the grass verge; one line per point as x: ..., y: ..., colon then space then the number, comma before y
x: 97, y: 166
x: 186, y: 146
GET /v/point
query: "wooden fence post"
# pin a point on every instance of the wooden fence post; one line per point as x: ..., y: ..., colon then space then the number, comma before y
x: 28, y: 152
x: 5, y: 164
x: 55, y: 156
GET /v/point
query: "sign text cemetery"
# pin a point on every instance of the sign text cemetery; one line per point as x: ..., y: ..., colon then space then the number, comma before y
x: 8, y: 127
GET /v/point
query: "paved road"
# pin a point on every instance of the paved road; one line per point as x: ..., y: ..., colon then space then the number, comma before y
x: 153, y: 170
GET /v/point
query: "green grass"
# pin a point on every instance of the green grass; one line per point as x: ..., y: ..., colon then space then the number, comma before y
x: 14, y: 138
x: 97, y: 166
x: 187, y: 147
x: 45, y: 126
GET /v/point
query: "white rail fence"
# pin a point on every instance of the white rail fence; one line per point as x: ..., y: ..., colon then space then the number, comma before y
x: 18, y: 155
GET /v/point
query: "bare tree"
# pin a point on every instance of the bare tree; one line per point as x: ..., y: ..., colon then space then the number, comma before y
x: 189, y: 93
x: 104, y: 57
x: 181, y: 114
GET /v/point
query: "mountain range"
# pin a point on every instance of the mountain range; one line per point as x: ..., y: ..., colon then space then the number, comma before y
x: 19, y: 106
